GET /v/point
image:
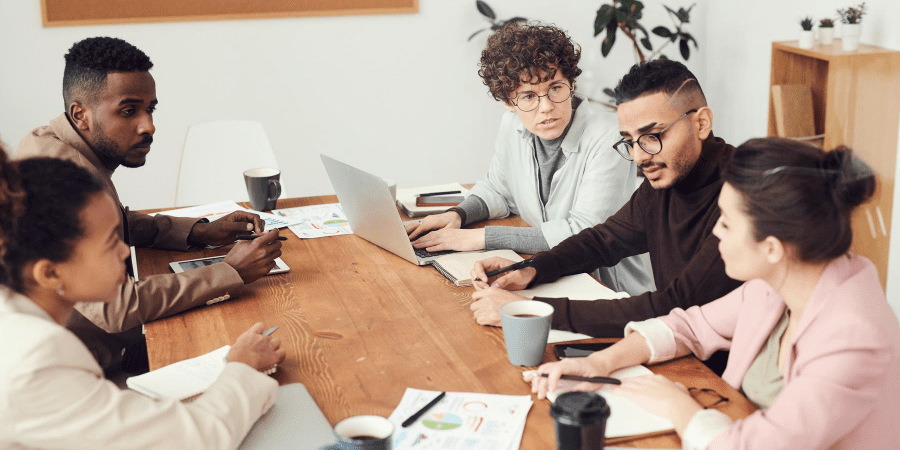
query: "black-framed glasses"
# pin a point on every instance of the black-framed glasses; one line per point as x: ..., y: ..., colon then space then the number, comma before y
x: 707, y: 398
x: 529, y: 101
x: 650, y: 143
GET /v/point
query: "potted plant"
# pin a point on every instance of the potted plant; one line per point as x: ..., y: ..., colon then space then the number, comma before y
x: 807, y: 36
x: 826, y: 31
x: 851, y: 18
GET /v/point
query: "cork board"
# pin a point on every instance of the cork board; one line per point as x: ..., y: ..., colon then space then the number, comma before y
x: 98, y: 12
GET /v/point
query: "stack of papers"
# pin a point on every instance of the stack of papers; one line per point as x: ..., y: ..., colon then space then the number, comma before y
x: 461, y: 421
x: 406, y: 199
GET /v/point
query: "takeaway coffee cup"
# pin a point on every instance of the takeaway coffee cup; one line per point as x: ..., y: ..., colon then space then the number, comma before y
x: 363, y: 433
x: 580, y: 421
x: 526, y: 326
x: 263, y: 187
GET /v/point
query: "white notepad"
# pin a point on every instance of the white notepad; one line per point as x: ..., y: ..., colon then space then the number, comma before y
x: 182, y: 380
x: 456, y: 266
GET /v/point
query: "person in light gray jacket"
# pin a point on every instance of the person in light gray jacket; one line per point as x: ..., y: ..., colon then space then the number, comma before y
x: 554, y: 165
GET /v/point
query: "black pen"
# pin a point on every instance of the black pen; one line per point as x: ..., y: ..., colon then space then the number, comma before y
x: 516, y: 266
x: 598, y: 380
x: 424, y: 409
x: 250, y: 237
x: 430, y: 194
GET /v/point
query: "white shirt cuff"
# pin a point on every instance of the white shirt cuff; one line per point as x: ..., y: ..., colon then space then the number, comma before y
x: 703, y: 428
x: 659, y: 338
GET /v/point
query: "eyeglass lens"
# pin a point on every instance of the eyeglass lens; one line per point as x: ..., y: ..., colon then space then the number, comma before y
x: 558, y: 93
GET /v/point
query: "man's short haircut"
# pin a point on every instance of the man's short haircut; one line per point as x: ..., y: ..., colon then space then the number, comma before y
x: 527, y: 51
x: 660, y: 75
x: 90, y: 60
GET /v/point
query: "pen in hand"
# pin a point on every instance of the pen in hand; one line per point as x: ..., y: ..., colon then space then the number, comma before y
x: 598, y: 380
x: 519, y: 265
x: 250, y: 237
x: 424, y: 409
x: 270, y: 331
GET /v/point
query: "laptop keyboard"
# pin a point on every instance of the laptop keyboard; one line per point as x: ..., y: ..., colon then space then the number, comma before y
x: 422, y: 253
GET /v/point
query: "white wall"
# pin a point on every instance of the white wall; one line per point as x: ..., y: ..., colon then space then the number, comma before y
x: 738, y: 52
x: 397, y: 95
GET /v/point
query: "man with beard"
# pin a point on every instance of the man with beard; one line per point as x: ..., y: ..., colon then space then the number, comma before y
x: 666, y: 128
x: 110, y: 98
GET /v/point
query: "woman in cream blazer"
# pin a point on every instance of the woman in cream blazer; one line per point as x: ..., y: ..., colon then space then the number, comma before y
x: 812, y: 339
x: 59, y: 244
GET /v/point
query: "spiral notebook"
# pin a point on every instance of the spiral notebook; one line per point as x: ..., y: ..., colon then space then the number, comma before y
x: 183, y: 380
x: 456, y: 266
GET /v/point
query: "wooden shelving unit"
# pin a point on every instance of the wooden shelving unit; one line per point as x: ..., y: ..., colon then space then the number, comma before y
x: 856, y: 102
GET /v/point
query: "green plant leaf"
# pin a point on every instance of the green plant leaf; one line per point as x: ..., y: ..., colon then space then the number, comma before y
x: 485, y: 10
x: 516, y: 19
x: 608, y: 41
x: 604, y: 14
x: 662, y: 31
x: 647, y: 45
x: 661, y: 56
x: 686, y: 35
x: 685, y: 50
x: 476, y: 33
x: 609, y: 92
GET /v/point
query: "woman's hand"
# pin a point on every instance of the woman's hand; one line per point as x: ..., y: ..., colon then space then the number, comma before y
x: 255, y: 350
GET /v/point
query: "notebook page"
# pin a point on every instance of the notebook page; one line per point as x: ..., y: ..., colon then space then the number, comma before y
x: 183, y: 379
x: 456, y: 266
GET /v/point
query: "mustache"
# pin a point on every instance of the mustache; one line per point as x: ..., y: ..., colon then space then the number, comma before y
x: 650, y: 164
x: 145, y: 142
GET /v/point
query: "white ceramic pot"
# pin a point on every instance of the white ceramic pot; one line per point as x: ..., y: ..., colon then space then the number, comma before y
x: 850, y: 36
x: 807, y: 39
x: 826, y: 36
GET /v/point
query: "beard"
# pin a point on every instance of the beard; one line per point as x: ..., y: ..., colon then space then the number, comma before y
x: 113, y: 155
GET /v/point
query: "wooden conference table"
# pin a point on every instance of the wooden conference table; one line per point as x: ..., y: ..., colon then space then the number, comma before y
x: 360, y: 325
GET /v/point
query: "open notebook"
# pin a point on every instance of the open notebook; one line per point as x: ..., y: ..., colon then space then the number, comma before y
x: 183, y: 380
x: 456, y: 266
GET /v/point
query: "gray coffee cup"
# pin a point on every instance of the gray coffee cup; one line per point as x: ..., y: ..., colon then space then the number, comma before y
x: 263, y: 187
x: 363, y: 433
x: 526, y: 327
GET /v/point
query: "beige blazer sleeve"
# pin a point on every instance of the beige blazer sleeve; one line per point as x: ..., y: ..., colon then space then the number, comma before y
x: 159, y: 296
x: 159, y: 231
x: 58, y: 398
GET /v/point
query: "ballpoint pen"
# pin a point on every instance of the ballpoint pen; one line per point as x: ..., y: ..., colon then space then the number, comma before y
x: 424, y: 409
x: 430, y: 194
x: 250, y: 237
x: 516, y: 266
x: 598, y: 380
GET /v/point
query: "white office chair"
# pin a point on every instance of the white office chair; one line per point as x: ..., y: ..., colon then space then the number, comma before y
x: 214, y: 158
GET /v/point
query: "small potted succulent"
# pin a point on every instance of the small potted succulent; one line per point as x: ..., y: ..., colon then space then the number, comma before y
x: 807, y: 35
x: 826, y: 31
x: 851, y: 19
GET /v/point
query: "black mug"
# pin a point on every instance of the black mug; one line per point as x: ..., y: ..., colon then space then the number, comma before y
x: 580, y: 421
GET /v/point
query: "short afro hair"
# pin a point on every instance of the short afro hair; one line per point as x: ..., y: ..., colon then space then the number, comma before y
x: 659, y: 75
x: 90, y: 60
x: 527, y: 51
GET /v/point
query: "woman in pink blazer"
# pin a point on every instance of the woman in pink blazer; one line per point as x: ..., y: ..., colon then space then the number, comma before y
x: 812, y: 339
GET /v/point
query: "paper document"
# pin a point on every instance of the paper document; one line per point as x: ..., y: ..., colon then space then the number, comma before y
x: 181, y: 380
x: 215, y: 211
x: 626, y: 417
x: 406, y: 199
x: 461, y: 421
x: 317, y: 220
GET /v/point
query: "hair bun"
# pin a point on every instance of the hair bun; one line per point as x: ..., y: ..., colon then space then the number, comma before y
x: 853, y: 181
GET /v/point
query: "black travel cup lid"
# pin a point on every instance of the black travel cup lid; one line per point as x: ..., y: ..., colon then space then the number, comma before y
x: 579, y: 408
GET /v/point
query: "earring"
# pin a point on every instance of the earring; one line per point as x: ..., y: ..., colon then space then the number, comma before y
x: 60, y: 291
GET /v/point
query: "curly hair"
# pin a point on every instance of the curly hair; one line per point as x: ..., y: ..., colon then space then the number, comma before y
x: 90, y: 60
x: 530, y: 52
x: 41, y: 200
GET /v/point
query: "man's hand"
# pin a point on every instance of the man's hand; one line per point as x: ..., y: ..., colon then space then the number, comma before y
x: 253, y: 259
x: 515, y: 280
x: 486, y: 307
x: 223, y: 231
x: 255, y: 350
x: 446, y: 220
x: 451, y: 239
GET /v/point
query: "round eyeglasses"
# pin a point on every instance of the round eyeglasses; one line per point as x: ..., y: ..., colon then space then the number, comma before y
x: 529, y: 101
x: 650, y: 143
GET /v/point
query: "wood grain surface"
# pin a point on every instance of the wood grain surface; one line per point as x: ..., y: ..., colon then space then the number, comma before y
x: 360, y: 325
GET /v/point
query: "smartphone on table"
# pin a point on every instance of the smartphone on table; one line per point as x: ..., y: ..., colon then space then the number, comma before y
x: 579, y: 350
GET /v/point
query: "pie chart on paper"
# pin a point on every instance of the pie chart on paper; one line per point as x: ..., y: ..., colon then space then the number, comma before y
x: 442, y: 421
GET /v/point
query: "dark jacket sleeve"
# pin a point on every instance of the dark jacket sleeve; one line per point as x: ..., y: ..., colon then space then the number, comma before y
x: 701, y: 282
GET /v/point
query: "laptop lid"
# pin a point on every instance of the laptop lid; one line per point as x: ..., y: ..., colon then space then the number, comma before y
x: 295, y: 422
x: 369, y: 207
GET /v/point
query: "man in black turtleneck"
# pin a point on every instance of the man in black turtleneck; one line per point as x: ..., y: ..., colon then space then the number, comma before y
x: 666, y: 128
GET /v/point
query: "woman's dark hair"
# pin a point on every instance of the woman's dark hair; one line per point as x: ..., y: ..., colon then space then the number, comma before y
x: 526, y: 50
x: 800, y: 194
x: 41, y: 200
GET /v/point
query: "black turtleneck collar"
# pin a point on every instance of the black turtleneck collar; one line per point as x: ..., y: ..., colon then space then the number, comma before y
x: 713, y: 154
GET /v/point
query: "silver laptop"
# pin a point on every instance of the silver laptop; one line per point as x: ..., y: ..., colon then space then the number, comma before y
x: 295, y: 422
x: 371, y: 211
